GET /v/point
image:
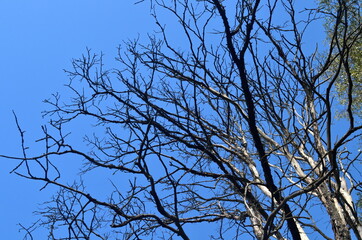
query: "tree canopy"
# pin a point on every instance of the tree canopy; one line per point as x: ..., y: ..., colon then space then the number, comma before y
x: 224, y: 119
x: 347, y: 31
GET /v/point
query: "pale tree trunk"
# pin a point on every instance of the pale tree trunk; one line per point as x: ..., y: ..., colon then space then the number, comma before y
x: 338, y: 223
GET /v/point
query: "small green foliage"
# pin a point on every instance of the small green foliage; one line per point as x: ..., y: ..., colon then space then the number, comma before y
x: 359, y: 206
x: 344, y: 32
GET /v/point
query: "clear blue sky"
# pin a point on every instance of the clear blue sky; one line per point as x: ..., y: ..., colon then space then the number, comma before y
x: 38, y: 39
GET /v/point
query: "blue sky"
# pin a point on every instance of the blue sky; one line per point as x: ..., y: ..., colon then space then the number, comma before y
x: 38, y: 40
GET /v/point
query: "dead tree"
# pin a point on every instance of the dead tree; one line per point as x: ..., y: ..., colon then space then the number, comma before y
x: 230, y: 124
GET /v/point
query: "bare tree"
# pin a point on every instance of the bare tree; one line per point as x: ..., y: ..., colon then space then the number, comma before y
x: 231, y: 126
